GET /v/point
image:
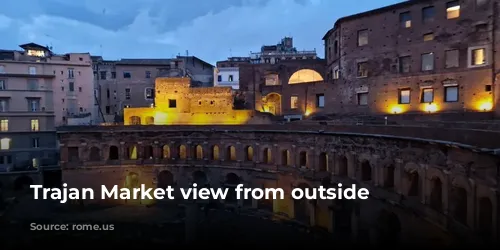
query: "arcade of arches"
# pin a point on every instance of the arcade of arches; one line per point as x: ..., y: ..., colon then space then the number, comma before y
x: 302, y: 161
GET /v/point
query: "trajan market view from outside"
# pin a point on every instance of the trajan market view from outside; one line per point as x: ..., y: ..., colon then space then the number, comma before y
x: 403, y: 99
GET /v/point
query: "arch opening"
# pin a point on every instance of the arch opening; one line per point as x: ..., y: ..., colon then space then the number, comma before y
x: 249, y: 153
x: 414, y: 184
x: 132, y: 152
x: 303, y: 159
x: 272, y: 104
x: 266, y: 156
x: 135, y: 120
x: 285, y: 157
x: 301, y: 206
x: 198, y: 152
x: 323, y: 162
x: 165, y: 179
x: 148, y: 152
x: 232, y: 180
x: 22, y: 183
x: 231, y: 153
x: 436, y: 197
x: 95, y: 154
x: 389, y: 176
x: 485, y: 220
x: 343, y: 166
x: 132, y: 181
x: 113, y: 153
x: 459, y: 204
x: 166, y: 152
x: 150, y: 120
x: 182, y: 152
x: 200, y: 178
x: 389, y: 228
x: 366, y: 171
x: 305, y: 76
x: 215, y: 153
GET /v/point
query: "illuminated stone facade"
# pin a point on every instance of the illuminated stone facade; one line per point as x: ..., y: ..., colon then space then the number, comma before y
x: 421, y: 192
x: 176, y: 103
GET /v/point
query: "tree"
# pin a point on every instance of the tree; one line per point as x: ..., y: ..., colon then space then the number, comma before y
x: 239, y: 101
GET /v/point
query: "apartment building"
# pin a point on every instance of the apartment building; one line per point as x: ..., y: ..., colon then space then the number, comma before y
x: 430, y: 56
x: 228, y: 72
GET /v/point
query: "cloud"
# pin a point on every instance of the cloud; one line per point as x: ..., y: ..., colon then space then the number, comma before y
x: 164, y: 28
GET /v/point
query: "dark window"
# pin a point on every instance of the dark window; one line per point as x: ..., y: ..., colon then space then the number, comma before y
x: 172, y: 103
x: 487, y: 88
x: 127, y: 75
x: 405, y: 19
x: 428, y: 14
x: 148, y: 74
x: 108, y: 110
x: 405, y: 64
x: 113, y: 75
x: 103, y: 75
x: 219, y: 78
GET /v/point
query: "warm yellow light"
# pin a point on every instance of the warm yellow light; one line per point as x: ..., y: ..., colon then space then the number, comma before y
x: 486, y: 106
x: 454, y: 8
x: 430, y: 107
x: 396, y: 110
x: 307, y: 113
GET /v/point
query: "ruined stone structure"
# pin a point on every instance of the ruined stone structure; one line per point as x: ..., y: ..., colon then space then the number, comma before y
x: 176, y: 103
x: 421, y: 191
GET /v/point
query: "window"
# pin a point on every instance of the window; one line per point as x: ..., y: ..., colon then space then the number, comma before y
x: 5, y: 143
x: 362, y: 38
x: 478, y: 57
x: 230, y: 78
x: 427, y: 95
x: 6, y: 159
x: 336, y: 47
x: 363, y: 69
x: 405, y: 19
x: 35, y: 142
x: 336, y: 73
x: 451, y: 58
x: 487, y: 88
x: 428, y: 37
x: 405, y: 64
x: 108, y: 110
x: 71, y: 74
x: 35, y: 125
x: 127, y: 94
x: 148, y: 74
x: 37, y: 53
x: 362, y: 98
x: 4, y: 105
x: 4, y: 125
x: 127, y: 75
x: 451, y: 94
x: 79, y: 89
x: 452, y: 10
x: 71, y: 86
x: 294, y: 102
x: 34, y: 105
x: 32, y: 70
x: 2, y: 69
x: 219, y: 78
x: 2, y: 85
x: 320, y: 101
x: 428, y: 14
x: 149, y: 93
x: 172, y: 103
x: 404, y: 96
x: 32, y: 84
x: 113, y: 75
x: 427, y: 61
x: 103, y: 75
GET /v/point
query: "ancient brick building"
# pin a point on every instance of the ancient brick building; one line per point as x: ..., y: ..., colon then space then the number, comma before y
x: 415, y: 57
x: 421, y: 190
x: 176, y: 103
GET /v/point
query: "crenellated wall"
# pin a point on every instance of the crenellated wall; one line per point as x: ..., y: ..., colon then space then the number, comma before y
x: 420, y: 191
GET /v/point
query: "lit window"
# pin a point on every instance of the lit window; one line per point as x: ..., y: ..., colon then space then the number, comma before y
x: 35, y: 126
x: 428, y: 37
x: 404, y: 96
x: 362, y: 98
x: 427, y: 95
x: 39, y: 53
x: 320, y: 101
x: 362, y: 37
x: 32, y: 70
x: 451, y: 94
x: 4, y: 125
x: 230, y: 78
x: 452, y: 10
x: 149, y: 93
x: 5, y: 143
x: 294, y: 102
x: 405, y: 19
x: 478, y: 57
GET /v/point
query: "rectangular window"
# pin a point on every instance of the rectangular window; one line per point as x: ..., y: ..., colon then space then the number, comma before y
x: 451, y: 94
x: 5, y: 143
x: 32, y: 84
x: 336, y: 73
x: 32, y: 70
x: 428, y: 37
x: 172, y: 103
x: 4, y: 105
x: 34, y: 105
x: 2, y: 69
x: 113, y: 75
x: 2, y: 85
x: 362, y: 99
x: 219, y: 78
x: 427, y: 61
x: 363, y: 69
x: 127, y: 75
x: 452, y: 10
x: 148, y: 74
x: 478, y: 57
x: 35, y: 126
x: 427, y: 95
x: 405, y: 19
x: 4, y: 125
x: 404, y: 96
x: 103, y: 75
x: 108, y: 110
x: 294, y: 102
x: 428, y: 14
x: 71, y: 74
x: 230, y: 78
x: 127, y: 94
x: 362, y: 37
x: 149, y: 93
x: 71, y: 86
x: 405, y: 64
x: 320, y: 101
x: 451, y: 58
x: 35, y: 142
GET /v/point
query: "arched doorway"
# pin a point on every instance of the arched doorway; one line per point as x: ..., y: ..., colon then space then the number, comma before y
x: 215, y: 153
x: 232, y: 180
x: 135, y: 120
x: 200, y: 178
x: 436, y: 197
x: 249, y: 153
x: 22, y: 183
x: 150, y: 120
x: 165, y: 179
x: 182, y: 152
x: 272, y: 104
x: 132, y: 181
x: 285, y: 158
x: 323, y: 162
x: 366, y: 171
x: 414, y: 183
x: 231, y: 153
x: 459, y: 204
x: 198, y: 152
x: 113, y: 153
x: 301, y: 206
x: 303, y: 159
x: 389, y: 176
x: 389, y: 228
x: 266, y: 156
x: 343, y: 166
x: 485, y: 220
x: 166, y: 152
x: 148, y: 152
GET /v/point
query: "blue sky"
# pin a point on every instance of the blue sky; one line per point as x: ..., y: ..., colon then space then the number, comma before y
x: 209, y: 29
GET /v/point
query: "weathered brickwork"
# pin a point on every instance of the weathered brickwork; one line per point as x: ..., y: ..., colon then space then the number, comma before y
x: 421, y: 191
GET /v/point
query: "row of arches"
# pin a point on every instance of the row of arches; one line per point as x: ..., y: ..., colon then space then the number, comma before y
x: 136, y: 120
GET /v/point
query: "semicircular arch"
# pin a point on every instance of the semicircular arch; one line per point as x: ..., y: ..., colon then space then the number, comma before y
x: 305, y: 76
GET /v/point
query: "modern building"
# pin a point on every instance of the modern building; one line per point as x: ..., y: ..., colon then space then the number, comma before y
x: 228, y: 72
x: 415, y: 57
x: 130, y: 82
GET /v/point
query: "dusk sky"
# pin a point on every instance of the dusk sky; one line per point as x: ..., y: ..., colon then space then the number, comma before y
x: 209, y: 29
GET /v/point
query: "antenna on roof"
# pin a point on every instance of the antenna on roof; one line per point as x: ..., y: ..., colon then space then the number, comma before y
x: 230, y: 52
x: 187, y: 53
x: 100, y: 47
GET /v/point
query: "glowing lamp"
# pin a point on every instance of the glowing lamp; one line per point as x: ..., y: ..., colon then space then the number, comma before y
x: 431, y: 107
x: 307, y: 113
x: 486, y: 106
x: 396, y: 110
